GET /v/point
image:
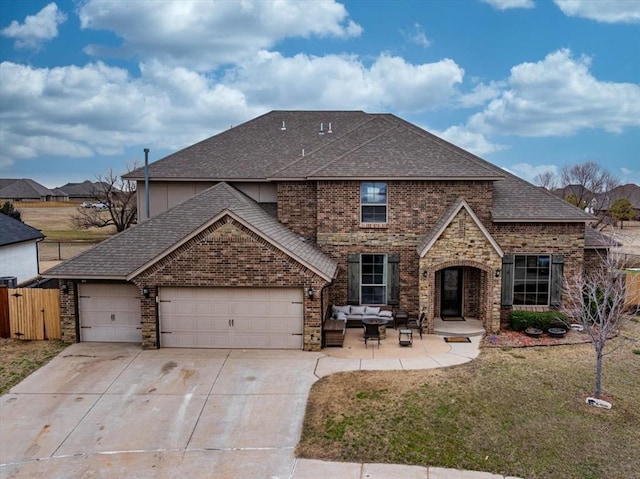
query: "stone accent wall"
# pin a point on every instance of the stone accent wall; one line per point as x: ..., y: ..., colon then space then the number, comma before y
x: 229, y: 255
x: 462, y: 243
x: 68, y: 329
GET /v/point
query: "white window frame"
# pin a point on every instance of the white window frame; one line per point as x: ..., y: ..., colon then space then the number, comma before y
x: 363, y: 204
x: 385, y: 279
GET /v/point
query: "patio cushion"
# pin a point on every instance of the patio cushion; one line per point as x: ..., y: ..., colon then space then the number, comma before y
x: 357, y: 310
x: 340, y: 316
x: 385, y: 314
x: 371, y: 310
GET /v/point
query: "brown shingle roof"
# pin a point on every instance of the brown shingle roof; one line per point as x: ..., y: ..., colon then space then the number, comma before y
x: 128, y: 253
x: 352, y: 145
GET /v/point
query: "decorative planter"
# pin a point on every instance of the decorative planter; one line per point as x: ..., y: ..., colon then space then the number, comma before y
x: 533, y: 332
x: 557, y: 332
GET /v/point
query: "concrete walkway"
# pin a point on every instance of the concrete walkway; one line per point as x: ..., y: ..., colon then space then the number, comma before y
x: 112, y: 410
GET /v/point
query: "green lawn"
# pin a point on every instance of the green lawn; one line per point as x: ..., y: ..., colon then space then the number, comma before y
x: 519, y: 412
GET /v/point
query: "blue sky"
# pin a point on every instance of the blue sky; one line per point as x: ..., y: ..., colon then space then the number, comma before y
x: 530, y: 85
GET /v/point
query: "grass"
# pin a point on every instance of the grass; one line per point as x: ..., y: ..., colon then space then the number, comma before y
x: 21, y: 358
x: 77, y: 235
x: 518, y: 412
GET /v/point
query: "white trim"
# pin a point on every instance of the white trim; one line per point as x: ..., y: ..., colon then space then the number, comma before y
x: 386, y: 203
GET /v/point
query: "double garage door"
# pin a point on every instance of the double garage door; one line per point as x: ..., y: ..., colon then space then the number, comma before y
x: 260, y: 318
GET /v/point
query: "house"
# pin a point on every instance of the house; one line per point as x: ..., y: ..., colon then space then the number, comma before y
x: 87, y: 190
x: 18, y: 250
x: 24, y: 189
x: 255, y: 232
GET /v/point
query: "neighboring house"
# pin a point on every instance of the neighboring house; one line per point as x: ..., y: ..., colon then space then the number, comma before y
x: 15, y: 189
x: 86, y: 190
x: 256, y: 231
x: 629, y: 192
x: 18, y: 249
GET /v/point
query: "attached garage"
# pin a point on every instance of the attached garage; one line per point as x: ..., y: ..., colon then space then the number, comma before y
x: 251, y: 318
x: 109, y: 312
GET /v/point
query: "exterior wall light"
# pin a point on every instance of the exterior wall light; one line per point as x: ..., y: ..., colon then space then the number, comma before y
x: 498, y: 271
x: 310, y: 292
x: 65, y: 288
x: 145, y: 292
x: 425, y: 274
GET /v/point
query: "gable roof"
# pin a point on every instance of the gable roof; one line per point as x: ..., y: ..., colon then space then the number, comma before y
x: 445, y: 220
x: 594, y: 239
x: 86, y: 189
x: 23, y: 188
x: 317, y: 145
x: 130, y: 252
x: 13, y: 231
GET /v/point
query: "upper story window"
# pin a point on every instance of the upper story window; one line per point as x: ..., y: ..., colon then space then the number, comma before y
x: 531, y: 280
x: 373, y: 202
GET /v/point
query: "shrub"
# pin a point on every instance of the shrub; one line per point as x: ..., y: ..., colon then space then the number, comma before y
x: 521, y: 320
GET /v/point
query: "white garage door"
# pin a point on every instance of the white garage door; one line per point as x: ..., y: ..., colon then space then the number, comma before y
x: 110, y: 312
x: 260, y: 318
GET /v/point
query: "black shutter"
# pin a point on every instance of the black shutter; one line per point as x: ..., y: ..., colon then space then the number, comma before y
x: 557, y: 266
x: 393, y: 279
x: 507, y: 280
x: 353, y: 279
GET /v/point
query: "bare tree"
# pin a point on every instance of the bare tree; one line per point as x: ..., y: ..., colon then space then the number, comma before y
x: 587, y: 185
x: 119, y: 199
x: 546, y: 179
x: 596, y: 299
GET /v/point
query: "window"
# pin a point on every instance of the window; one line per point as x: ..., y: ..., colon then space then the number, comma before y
x: 531, y: 279
x: 373, y: 282
x: 373, y: 199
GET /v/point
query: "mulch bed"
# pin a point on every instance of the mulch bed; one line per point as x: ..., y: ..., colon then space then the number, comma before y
x: 515, y: 339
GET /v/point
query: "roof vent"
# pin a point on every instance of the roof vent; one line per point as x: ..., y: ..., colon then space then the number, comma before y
x: 329, y: 128
x: 284, y: 127
x: 321, y: 129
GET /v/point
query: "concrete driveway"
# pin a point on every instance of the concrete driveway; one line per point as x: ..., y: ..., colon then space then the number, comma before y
x: 113, y: 410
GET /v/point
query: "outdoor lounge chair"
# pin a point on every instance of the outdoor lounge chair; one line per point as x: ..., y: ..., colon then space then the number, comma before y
x: 416, y: 323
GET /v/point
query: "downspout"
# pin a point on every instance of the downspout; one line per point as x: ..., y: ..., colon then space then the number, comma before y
x: 146, y: 181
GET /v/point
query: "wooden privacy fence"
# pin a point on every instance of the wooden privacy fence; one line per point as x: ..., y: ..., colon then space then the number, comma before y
x: 33, y: 313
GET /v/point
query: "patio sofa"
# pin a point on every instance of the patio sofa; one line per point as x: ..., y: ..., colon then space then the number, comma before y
x: 353, y: 315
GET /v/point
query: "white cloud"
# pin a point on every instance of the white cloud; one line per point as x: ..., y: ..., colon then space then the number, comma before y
x: 417, y: 36
x: 37, y: 28
x: 558, y: 96
x: 506, y: 4
x: 475, y: 143
x: 529, y: 172
x: 610, y: 11
x: 204, y: 34
x: 344, y: 82
x: 98, y: 109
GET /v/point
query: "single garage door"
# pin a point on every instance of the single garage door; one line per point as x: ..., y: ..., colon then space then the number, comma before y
x: 110, y: 312
x: 260, y: 318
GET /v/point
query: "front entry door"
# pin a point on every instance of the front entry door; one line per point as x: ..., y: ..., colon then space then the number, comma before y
x: 451, y: 292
